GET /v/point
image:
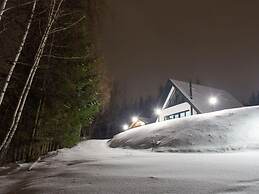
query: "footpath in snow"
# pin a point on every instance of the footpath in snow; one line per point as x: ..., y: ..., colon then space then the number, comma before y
x: 92, y: 167
x: 225, y: 130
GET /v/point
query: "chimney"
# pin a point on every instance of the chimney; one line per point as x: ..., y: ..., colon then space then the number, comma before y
x: 191, y: 90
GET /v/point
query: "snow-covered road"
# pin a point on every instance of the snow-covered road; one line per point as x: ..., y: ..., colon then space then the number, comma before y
x: 93, y: 167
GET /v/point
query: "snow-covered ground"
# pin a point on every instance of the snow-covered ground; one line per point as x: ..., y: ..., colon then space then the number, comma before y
x: 93, y: 167
x: 225, y: 130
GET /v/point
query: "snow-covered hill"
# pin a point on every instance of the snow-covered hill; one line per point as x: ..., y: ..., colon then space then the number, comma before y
x: 218, y: 131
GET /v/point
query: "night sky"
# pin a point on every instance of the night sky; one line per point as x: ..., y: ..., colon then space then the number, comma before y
x: 145, y: 42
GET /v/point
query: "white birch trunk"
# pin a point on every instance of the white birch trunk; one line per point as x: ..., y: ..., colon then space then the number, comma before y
x: 27, y: 87
x: 14, y: 65
x: 9, y: 76
x: 2, y: 9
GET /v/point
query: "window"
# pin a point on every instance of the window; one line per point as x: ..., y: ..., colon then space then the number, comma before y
x: 182, y: 114
x: 188, y: 113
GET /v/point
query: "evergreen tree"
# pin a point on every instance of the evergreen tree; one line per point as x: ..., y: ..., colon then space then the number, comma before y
x: 67, y: 92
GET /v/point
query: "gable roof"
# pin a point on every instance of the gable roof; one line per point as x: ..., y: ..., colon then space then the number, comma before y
x: 201, y: 95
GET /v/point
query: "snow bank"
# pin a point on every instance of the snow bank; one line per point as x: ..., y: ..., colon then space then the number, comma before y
x: 218, y: 131
x: 90, y: 150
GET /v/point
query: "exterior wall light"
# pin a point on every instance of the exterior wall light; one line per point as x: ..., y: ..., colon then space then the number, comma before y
x: 134, y: 119
x: 125, y: 127
x: 158, y: 111
x: 213, y: 100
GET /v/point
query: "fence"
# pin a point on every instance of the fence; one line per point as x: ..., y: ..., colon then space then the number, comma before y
x: 30, y: 152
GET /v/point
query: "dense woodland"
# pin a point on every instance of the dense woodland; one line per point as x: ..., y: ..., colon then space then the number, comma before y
x: 52, y: 81
x: 120, y: 111
x: 54, y: 87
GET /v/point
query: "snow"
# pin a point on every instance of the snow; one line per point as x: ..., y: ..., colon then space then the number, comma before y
x: 219, y: 131
x: 93, y: 167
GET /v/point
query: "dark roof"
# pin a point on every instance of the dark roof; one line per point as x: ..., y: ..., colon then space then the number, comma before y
x: 201, y: 95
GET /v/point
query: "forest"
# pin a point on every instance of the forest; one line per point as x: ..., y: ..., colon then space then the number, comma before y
x: 55, y: 90
x: 51, y: 77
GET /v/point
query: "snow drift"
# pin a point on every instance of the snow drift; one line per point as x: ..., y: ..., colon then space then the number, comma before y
x: 218, y: 131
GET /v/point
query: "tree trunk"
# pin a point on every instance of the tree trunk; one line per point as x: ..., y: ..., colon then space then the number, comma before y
x: 42, y: 99
x: 22, y: 100
x: 18, y: 54
x: 14, y: 65
x: 36, y: 123
x: 2, y: 9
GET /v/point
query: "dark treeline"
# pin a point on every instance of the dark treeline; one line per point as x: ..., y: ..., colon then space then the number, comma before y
x: 120, y: 111
x: 254, y: 99
x: 67, y: 89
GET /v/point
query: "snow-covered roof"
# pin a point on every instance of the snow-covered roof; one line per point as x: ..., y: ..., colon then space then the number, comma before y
x: 201, y: 95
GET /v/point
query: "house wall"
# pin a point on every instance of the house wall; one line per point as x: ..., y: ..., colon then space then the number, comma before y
x: 177, y: 111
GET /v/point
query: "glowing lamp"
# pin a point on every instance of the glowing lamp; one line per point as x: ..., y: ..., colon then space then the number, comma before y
x: 134, y: 119
x: 158, y: 111
x: 213, y: 101
x: 125, y: 127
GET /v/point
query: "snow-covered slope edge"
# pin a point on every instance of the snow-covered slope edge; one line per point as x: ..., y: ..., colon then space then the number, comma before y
x: 218, y: 131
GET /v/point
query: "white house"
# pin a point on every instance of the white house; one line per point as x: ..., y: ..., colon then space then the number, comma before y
x: 183, y: 99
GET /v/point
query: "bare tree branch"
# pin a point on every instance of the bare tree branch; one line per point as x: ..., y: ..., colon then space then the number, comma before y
x: 23, y: 97
x: 69, y: 26
x: 18, y: 54
x: 67, y: 14
x: 21, y: 5
x: 2, y: 10
x: 15, y: 63
x: 64, y: 58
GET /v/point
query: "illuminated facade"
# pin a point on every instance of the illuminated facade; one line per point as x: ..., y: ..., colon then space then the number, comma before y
x: 183, y: 99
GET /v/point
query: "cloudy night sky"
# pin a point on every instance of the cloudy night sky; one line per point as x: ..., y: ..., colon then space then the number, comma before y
x: 145, y: 42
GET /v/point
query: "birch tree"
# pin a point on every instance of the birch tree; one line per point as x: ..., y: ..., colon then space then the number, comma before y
x: 9, y: 76
x: 2, y: 9
x: 55, y: 8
